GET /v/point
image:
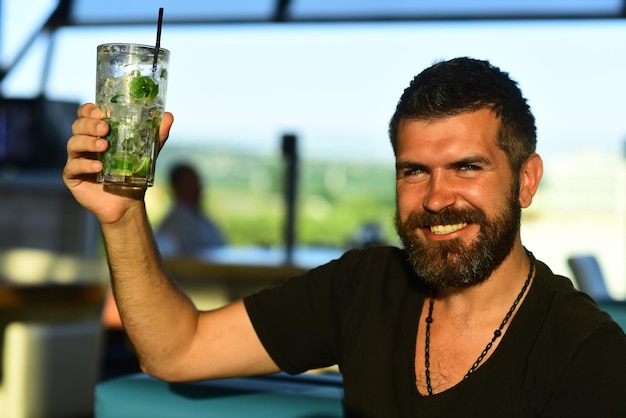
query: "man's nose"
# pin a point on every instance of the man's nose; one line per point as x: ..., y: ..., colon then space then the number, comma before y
x: 440, y: 194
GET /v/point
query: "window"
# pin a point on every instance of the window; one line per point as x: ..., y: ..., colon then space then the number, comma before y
x: 237, y: 88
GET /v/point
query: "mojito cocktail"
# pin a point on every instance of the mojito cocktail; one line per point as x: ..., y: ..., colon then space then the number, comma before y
x: 130, y: 90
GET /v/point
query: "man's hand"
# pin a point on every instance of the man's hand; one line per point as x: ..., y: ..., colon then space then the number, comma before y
x: 108, y: 203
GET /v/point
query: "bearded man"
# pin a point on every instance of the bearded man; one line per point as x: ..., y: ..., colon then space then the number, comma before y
x: 462, y: 321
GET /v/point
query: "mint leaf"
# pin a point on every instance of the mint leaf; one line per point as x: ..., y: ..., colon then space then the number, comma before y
x: 143, y: 88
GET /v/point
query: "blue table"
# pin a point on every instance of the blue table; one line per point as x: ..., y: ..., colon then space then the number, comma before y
x: 276, y: 396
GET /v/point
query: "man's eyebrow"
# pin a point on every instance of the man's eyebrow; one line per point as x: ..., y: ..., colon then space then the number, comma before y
x: 470, y: 160
x: 404, y: 165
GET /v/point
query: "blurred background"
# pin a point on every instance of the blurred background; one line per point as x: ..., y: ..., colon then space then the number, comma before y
x: 246, y: 73
x: 282, y: 106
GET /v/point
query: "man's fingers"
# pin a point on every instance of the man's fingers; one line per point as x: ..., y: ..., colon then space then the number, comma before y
x: 89, y: 110
x: 166, y: 125
x: 79, y: 167
x: 89, y: 121
x: 81, y: 144
x: 89, y: 126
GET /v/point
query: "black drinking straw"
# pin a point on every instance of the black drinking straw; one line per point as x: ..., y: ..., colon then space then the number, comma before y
x: 158, y: 40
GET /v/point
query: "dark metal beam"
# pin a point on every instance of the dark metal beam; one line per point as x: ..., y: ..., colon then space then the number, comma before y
x: 58, y: 18
x: 281, y: 13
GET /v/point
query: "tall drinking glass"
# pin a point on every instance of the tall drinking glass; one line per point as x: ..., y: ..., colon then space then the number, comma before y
x: 131, y: 88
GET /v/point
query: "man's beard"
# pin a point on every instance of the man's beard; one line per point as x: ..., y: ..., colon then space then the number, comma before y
x: 451, y: 264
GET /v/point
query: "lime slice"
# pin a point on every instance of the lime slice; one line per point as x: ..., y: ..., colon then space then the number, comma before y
x: 121, y: 172
x: 143, y: 168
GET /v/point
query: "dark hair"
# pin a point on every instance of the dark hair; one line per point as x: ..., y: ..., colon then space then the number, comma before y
x: 463, y: 85
x: 180, y: 172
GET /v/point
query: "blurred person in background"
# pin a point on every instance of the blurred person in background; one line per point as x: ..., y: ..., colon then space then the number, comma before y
x: 186, y: 230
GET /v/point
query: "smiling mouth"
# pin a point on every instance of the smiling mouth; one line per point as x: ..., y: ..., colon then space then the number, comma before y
x: 447, y: 229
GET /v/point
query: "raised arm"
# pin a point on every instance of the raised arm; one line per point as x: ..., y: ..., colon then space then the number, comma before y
x: 173, y: 340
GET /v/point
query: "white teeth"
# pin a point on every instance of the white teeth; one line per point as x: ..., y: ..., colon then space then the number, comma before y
x: 446, y: 229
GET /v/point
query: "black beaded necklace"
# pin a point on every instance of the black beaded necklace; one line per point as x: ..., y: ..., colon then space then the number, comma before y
x: 496, y: 334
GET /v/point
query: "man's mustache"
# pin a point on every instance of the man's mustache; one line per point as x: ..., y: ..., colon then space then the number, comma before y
x: 448, y: 216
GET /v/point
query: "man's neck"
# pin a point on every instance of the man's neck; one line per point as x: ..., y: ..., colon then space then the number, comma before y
x: 490, y: 297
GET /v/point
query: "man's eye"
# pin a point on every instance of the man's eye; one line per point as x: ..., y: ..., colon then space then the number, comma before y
x: 412, y: 172
x: 469, y: 167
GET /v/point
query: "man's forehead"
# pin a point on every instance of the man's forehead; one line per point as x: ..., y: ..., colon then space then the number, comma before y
x: 469, y: 124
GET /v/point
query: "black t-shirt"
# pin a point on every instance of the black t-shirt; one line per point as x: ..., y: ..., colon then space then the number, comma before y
x: 560, y: 357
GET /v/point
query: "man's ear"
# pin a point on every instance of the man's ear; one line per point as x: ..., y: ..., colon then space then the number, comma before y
x: 530, y: 176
